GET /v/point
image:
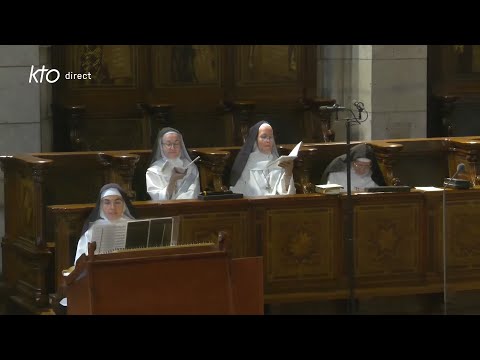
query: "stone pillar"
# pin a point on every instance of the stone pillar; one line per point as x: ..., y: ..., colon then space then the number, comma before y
x: 20, y: 102
x: 391, y: 80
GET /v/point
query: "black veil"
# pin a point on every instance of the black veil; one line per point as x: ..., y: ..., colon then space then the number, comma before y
x: 357, y: 151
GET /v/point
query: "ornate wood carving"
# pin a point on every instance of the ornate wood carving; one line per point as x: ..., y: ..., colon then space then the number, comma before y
x: 239, y: 118
x: 299, y: 248
x: 317, y: 123
x: 75, y: 116
x: 301, y: 172
x: 156, y: 117
x: 212, y: 169
x: 463, y: 247
x: 201, y: 228
x: 388, y: 239
x: 121, y: 170
x: 386, y: 157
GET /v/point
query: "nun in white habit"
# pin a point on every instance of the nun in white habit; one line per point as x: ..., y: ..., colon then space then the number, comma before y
x: 112, y: 206
x: 250, y: 175
x: 165, y: 177
x: 365, y: 172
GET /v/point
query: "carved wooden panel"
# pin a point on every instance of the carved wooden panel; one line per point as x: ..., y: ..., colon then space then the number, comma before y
x: 388, y: 239
x: 113, y: 66
x: 428, y: 159
x: 68, y: 227
x: 25, y: 203
x: 454, y: 69
x: 33, y: 277
x: 117, y: 79
x: 267, y: 64
x: 204, y: 228
x: 196, y: 80
x: 112, y: 134
x: 181, y: 65
x: 75, y: 186
x: 299, y: 246
x: 463, y: 235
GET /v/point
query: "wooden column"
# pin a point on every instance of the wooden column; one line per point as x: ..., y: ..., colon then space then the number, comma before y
x: 317, y: 123
x: 239, y: 116
x: 156, y: 117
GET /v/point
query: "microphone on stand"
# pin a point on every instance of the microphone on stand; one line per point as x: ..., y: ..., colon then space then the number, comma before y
x: 360, y: 108
x: 460, y: 169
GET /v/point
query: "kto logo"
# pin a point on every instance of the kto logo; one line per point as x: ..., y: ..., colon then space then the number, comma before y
x: 51, y: 78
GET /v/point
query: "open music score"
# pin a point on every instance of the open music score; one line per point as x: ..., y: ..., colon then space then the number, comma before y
x: 135, y: 234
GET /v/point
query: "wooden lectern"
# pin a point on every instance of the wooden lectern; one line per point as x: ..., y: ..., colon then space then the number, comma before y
x: 185, y: 279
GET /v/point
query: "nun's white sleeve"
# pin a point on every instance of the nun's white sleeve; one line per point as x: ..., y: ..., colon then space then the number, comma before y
x: 156, y: 186
x: 291, y: 186
x: 241, y: 186
x: 82, y: 246
x: 192, y: 191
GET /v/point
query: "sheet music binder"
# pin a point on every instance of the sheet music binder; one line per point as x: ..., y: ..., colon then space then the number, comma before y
x: 136, y: 234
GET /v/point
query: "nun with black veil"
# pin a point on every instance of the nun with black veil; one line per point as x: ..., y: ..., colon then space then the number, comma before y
x: 364, y: 173
x: 166, y: 177
x: 250, y: 175
x: 113, y: 206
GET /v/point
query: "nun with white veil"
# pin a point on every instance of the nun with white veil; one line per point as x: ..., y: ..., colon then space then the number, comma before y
x: 365, y: 171
x: 250, y: 175
x: 113, y: 206
x: 166, y: 177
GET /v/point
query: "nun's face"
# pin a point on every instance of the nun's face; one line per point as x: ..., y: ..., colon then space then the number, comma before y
x: 361, y: 168
x: 265, y: 139
x: 171, y: 145
x: 113, y: 206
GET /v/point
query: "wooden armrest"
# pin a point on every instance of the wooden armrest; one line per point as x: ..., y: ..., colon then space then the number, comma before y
x: 27, y: 159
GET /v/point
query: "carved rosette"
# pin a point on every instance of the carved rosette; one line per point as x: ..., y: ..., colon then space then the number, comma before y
x: 300, y: 247
x: 385, y: 243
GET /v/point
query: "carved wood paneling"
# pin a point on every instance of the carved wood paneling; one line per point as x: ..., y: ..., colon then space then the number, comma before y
x: 195, y: 79
x: 463, y: 234
x: 299, y: 247
x: 388, y: 239
x: 25, y: 202
x: 112, y: 134
x: 112, y: 66
x: 186, y: 65
x: 204, y: 228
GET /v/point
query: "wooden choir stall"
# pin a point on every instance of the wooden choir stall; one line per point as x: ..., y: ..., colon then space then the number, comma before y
x: 398, y: 236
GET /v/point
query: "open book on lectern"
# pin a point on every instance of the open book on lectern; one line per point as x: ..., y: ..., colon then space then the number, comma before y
x: 135, y: 234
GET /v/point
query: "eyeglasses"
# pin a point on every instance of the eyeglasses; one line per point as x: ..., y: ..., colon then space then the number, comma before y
x: 171, y: 145
x: 359, y: 165
x: 115, y: 203
x: 265, y: 138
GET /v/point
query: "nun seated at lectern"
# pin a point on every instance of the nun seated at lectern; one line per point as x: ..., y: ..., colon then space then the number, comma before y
x: 365, y: 172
